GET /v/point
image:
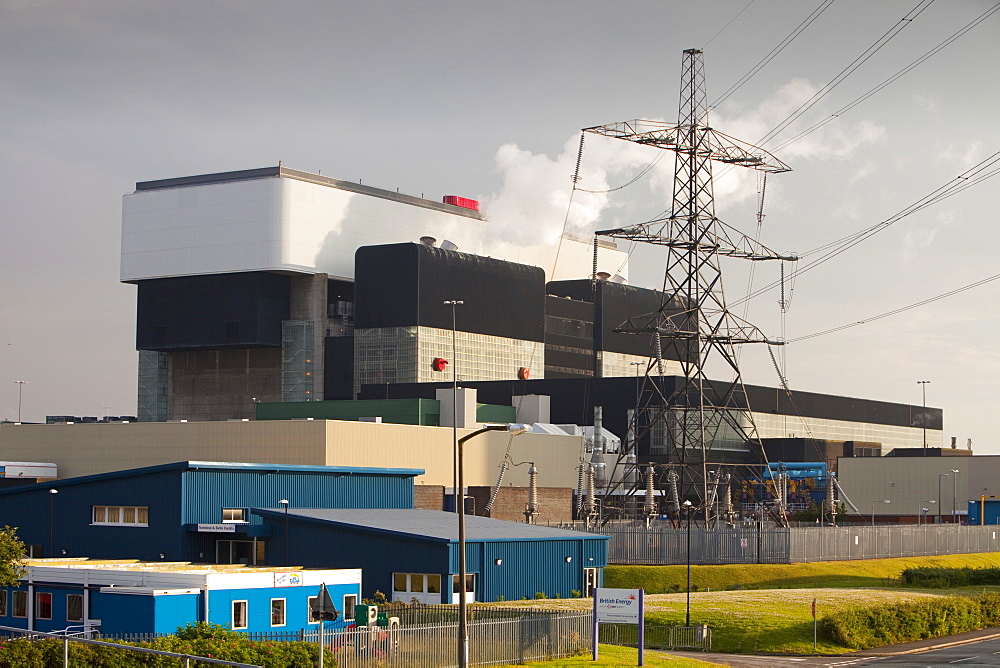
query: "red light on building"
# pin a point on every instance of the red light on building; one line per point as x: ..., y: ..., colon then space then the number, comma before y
x: 439, y: 364
x: 523, y: 373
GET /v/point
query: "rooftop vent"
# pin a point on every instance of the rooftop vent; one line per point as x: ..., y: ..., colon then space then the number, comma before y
x: 448, y: 246
x: 428, y: 241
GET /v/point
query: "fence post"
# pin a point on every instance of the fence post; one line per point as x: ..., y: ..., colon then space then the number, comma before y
x: 66, y: 652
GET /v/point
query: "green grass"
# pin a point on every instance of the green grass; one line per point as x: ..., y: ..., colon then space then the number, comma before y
x: 610, y: 655
x: 866, y: 573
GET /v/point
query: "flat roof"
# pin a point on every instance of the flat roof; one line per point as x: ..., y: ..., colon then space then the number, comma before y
x: 284, y: 172
x: 434, y: 525
x: 220, y: 466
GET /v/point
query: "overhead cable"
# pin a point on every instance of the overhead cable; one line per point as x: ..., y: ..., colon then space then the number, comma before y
x: 898, y: 310
x: 906, y: 70
x: 847, y: 71
x: 774, y: 52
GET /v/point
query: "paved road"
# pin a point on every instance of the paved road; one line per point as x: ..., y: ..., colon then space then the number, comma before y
x: 977, y: 648
x: 984, y: 653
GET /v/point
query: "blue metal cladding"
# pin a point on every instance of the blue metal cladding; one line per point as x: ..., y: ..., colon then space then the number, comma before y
x: 164, y: 613
x: 527, y: 567
x: 71, y: 512
x: 208, y: 491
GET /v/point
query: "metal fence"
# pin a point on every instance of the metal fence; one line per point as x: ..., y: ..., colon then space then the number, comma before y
x: 428, y: 636
x: 491, y: 642
x: 777, y: 545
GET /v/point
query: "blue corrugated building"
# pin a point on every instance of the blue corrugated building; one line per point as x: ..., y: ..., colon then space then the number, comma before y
x: 121, y: 598
x: 188, y: 511
x: 413, y: 554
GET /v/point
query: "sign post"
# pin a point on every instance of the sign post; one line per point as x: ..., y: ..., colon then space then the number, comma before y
x: 620, y: 606
x: 814, y: 624
x: 323, y: 610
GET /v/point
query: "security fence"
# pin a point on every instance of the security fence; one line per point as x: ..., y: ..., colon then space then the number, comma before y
x: 763, y: 544
x: 428, y: 636
x: 491, y: 642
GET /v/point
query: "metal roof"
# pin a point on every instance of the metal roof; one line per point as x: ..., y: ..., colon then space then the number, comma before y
x: 433, y: 525
x: 224, y: 466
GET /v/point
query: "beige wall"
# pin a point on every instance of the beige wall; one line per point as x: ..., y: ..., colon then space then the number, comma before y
x: 84, y: 449
x: 911, y: 483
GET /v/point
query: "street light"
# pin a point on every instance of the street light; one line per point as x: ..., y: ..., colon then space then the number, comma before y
x: 954, y: 484
x: 284, y: 502
x: 923, y: 416
x: 925, y: 515
x: 463, y: 611
x: 52, y: 497
x: 940, y: 475
x: 687, y: 510
x: 20, y: 387
x: 454, y: 401
x: 873, y: 509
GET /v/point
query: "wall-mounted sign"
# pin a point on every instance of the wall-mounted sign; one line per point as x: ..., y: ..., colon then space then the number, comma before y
x: 289, y: 579
x: 217, y: 528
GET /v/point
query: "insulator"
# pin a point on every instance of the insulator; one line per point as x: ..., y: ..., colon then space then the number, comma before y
x: 597, y: 457
x: 650, y: 506
x: 532, y: 508
x: 496, y: 490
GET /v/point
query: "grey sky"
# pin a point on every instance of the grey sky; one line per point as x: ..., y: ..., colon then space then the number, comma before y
x: 97, y: 95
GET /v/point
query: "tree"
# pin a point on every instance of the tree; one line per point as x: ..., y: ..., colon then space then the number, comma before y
x: 11, y: 556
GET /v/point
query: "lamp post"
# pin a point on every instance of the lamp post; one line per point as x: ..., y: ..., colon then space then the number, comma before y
x: 463, y: 611
x: 924, y: 512
x: 454, y: 402
x: 923, y: 416
x: 284, y: 502
x: 954, y: 484
x: 20, y: 387
x: 873, y: 509
x: 52, y: 497
x: 687, y: 510
x: 940, y: 475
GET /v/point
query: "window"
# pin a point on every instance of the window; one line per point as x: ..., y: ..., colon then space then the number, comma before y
x: 43, y: 605
x: 350, y: 601
x: 121, y: 515
x: 239, y: 614
x: 234, y: 515
x: 310, y: 617
x: 277, y: 612
x: 20, y: 604
x: 74, y: 608
x: 470, y: 583
x: 3, y: 602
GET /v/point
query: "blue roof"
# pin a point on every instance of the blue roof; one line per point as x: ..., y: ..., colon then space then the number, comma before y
x: 433, y: 525
x: 224, y: 466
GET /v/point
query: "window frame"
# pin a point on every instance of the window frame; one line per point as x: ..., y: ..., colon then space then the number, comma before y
x: 23, y: 596
x: 70, y: 606
x: 39, y: 596
x: 349, y: 610
x: 309, y: 610
x: 246, y: 614
x: 3, y: 602
x: 242, y: 513
x: 136, y: 512
x: 284, y: 611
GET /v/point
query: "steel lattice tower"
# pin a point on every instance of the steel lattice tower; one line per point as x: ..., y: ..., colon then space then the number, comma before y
x: 693, y: 324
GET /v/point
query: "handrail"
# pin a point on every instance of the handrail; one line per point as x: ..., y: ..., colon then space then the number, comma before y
x: 188, y: 657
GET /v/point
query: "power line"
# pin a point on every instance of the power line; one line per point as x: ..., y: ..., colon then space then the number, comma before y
x: 898, y: 310
x: 906, y: 70
x: 774, y: 52
x: 847, y: 71
x: 971, y: 177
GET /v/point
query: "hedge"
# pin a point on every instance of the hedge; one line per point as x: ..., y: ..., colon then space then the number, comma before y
x: 950, y: 577
x: 864, y: 628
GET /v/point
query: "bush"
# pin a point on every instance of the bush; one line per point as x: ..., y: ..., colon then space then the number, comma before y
x: 864, y: 628
x: 22, y: 653
x: 944, y: 578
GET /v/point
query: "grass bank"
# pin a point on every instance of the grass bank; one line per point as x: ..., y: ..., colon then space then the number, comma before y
x: 610, y: 655
x: 865, y: 573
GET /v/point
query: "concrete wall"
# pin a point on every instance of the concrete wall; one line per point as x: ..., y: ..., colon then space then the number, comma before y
x: 84, y: 449
x: 221, y: 384
x: 911, y: 483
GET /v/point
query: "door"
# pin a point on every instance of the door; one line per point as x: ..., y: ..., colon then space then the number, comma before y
x: 591, y: 581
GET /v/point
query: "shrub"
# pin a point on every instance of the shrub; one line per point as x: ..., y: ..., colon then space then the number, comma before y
x: 863, y: 628
x: 540, y: 594
x: 576, y: 593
